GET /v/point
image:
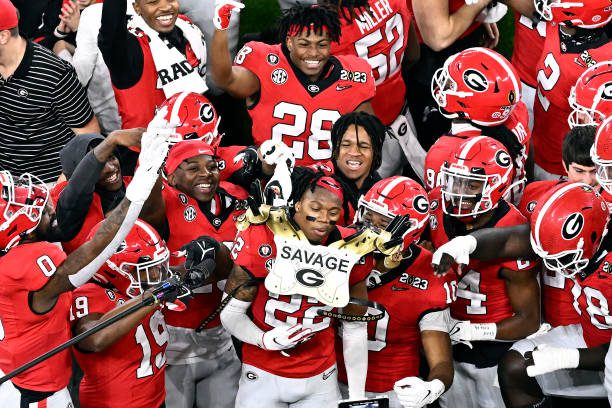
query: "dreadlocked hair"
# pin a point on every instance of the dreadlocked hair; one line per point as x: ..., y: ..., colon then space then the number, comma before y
x: 373, y: 127
x: 502, y: 134
x: 312, y: 18
x: 346, y: 8
x: 305, y: 179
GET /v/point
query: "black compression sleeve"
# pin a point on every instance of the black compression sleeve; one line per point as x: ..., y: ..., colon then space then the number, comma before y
x: 76, y: 198
x: 121, y: 50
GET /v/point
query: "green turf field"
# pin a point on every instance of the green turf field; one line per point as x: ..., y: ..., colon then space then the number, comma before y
x: 259, y: 15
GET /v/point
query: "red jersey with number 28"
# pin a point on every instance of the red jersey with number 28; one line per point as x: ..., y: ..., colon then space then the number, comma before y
x: 255, y: 251
x: 482, y: 296
x: 292, y: 109
x: 380, y: 35
x: 408, y: 293
x: 557, y: 73
x: 130, y: 372
x: 557, y: 299
x: 25, y: 335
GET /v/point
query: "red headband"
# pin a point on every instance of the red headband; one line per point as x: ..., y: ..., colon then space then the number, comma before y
x: 331, y: 185
x: 296, y: 29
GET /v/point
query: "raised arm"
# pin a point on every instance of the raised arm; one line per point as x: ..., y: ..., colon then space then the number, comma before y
x: 485, y: 244
x: 81, y: 264
x: 438, y: 27
x: 120, y: 49
x: 237, y: 81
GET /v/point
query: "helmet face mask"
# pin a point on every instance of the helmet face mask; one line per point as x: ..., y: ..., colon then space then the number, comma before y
x: 568, y: 226
x: 591, y: 97
x: 146, y: 273
x: 140, y: 262
x: 476, y: 178
x: 23, y: 202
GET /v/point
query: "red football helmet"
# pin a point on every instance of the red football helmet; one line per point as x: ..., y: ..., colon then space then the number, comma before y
x: 586, y: 13
x: 22, y: 202
x: 140, y: 261
x: 476, y: 177
x: 567, y: 227
x: 394, y: 197
x: 197, y: 117
x: 591, y: 97
x: 601, y: 154
x: 477, y: 84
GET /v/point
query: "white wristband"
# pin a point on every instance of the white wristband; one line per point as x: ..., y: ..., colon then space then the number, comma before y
x: 483, y: 331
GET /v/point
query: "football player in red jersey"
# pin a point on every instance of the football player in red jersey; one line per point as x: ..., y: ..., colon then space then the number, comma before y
x: 34, y: 298
x: 575, y: 40
x: 288, y: 347
x: 124, y: 364
x: 479, y: 89
x: 567, y: 228
x: 357, y: 141
x: 557, y: 298
x: 193, y: 203
x: 94, y: 184
x: 497, y: 302
x: 591, y: 97
x: 296, y: 90
x: 382, y: 32
x: 416, y: 303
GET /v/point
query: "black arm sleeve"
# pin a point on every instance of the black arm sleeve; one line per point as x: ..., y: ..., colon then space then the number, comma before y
x: 76, y: 198
x: 120, y: 49
x: 593, y: 358
x: 504, y: 242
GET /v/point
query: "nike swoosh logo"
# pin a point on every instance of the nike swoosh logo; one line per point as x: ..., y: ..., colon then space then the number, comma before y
x: 327, y: 375
x: 453, y: 331
x: 343, y: 87
x: 397, y: 288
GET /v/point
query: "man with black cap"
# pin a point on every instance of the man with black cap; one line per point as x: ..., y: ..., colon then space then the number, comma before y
x: 42, y: 103
x: 95, y: 184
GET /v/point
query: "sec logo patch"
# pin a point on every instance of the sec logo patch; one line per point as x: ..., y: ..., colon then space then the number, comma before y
x: 265, y: 250
x: 190, y: 213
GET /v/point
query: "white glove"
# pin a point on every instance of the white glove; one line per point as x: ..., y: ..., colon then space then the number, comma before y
x: 492, y: 14
x: 548, y: 358
x: 458, y: 248
x: 273, y: 152
x: 279, y: 188
x: 412, y: 392
x: 282, y: 338
x: 464, y: 331
x: 223, y: 13
x: 154, y: 148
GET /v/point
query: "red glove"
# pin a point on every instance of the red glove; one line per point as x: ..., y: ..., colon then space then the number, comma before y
x: 223, y: 12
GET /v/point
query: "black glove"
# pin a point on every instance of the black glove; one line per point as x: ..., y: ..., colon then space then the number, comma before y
x: 397, y: 228
x: 256, y: 198
x: 198, y: 251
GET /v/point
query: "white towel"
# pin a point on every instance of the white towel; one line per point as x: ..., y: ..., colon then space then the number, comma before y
x: 174, y: 73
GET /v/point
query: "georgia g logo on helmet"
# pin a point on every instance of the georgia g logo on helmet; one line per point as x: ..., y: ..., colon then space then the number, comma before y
x: 572, y: 226
x: 475, y: 80
x: 503, y: 159
x: 420, y: 204
x: 606, y: 93
x: 206, y: 113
